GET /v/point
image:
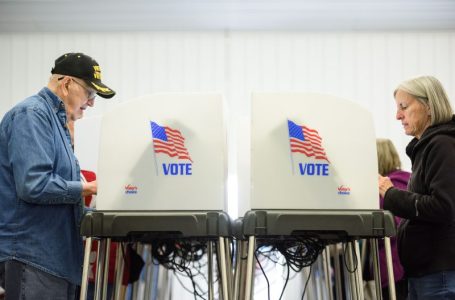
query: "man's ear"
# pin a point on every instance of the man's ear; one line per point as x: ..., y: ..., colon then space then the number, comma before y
x: 64, y: 85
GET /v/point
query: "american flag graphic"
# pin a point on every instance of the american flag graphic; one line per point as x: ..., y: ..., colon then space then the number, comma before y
x: 306, y: 140
x: 169, y: 141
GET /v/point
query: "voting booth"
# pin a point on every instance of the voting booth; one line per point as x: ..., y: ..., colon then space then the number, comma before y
x: 313, y: 182
x: 157, y: 150
x: 162, y: 175
x: 314, y: 152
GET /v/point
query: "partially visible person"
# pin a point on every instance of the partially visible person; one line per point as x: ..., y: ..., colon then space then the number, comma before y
x: 389, y: 165
x: 426, y: 238
x: 40, y: 186
x: 90, y: 202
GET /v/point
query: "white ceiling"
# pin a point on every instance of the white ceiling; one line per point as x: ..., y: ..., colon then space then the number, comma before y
x: 144, y: 15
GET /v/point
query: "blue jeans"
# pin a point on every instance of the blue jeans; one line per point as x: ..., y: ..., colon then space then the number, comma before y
x: 432, y: 287
x: 25, y: 282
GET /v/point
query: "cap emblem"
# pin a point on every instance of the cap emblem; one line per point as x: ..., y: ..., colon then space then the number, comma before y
x: 97, y: 72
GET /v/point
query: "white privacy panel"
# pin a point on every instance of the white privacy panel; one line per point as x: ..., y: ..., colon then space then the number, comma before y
x: 311, y: 153
x: 163, y: 152
x: 362, y: 66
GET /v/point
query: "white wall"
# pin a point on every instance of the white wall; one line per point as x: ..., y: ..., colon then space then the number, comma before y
x: 361, y: 66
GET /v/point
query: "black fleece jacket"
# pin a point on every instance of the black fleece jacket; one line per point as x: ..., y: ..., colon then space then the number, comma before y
x: 426, y: 235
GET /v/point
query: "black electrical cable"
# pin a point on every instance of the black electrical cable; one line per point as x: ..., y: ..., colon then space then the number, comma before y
x: 263, y: 272
x: 195, y: 286
x: 272, y: 256
x: 181, y: 283
x: 188, y: 273
x: 298, y: 252
x: 354, y: 258
x: 183, y: 256
x: 286, y: 281
x: 306, y: 283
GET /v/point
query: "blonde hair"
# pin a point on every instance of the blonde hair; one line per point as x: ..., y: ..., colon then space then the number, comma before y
x: 388, y: 159
x: 429, y: 91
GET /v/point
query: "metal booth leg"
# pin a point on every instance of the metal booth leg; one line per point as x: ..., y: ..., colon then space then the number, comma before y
x: 237, y: 258
x: 363, y: 253
x: 100, y: 256
x: 338, y: 268
x: 155, y: 277
x: 315, y: 280
x: 388, y: 256
x: 309, y: 286
x: 88, y: 247
x: 352, y: 274
x: 227, y: 247
x: 210, y: 268
x: 359, y: 269
x: 136, y: 285
x: 119, y: 267
x: 148, y: 269
x: 223, y: 268
x: 377, y: 275
x: 328, y: 278
x: 250, y: 268
x: 106, y: 268
x: 240, y: 270
x: 314, y: 286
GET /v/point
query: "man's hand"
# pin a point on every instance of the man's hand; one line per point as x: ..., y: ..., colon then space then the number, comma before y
x: 89, y: 188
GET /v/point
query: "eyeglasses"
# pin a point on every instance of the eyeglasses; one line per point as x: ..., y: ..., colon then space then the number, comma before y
x: 91, y: 94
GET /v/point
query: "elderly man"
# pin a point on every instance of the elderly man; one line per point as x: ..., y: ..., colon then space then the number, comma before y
x: 40, y: 188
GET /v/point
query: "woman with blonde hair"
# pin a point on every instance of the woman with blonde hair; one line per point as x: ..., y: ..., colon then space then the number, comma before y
x: 389, y: 165
x: 426, y: 239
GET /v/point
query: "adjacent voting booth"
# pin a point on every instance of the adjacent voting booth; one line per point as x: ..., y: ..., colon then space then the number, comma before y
x: 311, y: 151
x: 313, y: 179
x: 162, y: 175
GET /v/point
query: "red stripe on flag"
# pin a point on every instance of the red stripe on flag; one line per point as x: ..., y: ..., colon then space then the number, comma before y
x: 175, y: 145
x: 311, y: 146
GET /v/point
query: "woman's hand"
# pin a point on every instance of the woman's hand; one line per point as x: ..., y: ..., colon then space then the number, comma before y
x: 384, y: 184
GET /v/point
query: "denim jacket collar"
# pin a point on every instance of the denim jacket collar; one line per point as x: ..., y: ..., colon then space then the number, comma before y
x: 56, y: 104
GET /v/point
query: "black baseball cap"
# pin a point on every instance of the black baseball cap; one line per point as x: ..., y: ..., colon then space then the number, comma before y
x: 84, y: 67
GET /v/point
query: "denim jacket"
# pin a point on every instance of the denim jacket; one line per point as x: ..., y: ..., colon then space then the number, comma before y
x: 40, y: 188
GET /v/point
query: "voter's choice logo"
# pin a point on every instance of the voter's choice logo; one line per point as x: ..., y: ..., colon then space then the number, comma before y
x: 306, y: 141
x: 130, y: 189
x: 171, y: 142
x: 344, y: 190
